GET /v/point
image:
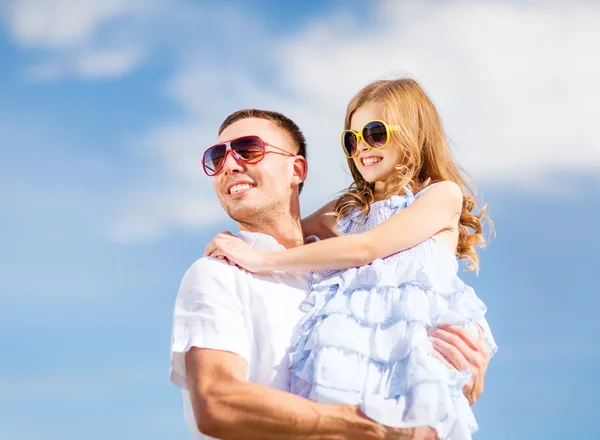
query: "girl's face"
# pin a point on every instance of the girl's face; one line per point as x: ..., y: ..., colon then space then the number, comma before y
x: 375, y: 165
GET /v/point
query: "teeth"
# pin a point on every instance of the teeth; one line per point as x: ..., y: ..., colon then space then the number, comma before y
x: 240, y: 187
x: 371, y: 160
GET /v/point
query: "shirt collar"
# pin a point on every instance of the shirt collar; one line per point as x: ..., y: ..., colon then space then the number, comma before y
x: 260, y: 242
x: 265, y: 243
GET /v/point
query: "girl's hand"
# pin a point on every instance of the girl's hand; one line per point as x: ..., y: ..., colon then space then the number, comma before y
x: 236, y: 252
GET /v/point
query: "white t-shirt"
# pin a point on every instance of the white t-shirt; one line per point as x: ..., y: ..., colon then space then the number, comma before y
x: 222, y: 307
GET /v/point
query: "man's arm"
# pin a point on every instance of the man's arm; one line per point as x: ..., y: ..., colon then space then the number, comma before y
x: 226, y: 406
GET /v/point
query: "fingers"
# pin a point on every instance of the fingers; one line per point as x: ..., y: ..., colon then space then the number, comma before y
x: 464, y: 351
x: 219, y: 239
x: 477, y: 354
x: 218, y: 243
x: 456, y: 340
x: 450, y: 351
x: 481, y: 345
x: 425, y: 433
x: 216, y: 254
x: 209, y: 249
x: 481, y: 339
x: 419, y: 433
x: 443, y: 360
x: 212, y: 246
x: 462, y: 333
x: 469, y: 392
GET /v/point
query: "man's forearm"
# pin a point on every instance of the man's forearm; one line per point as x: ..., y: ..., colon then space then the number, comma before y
x: 251, y: 411
x: 246, y: 410
x: 227, y: 406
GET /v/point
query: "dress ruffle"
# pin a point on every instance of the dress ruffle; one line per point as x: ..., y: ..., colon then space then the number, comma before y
x: 371, y: 324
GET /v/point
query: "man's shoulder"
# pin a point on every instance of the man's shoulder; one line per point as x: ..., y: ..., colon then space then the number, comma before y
x: 204, y: 264
x: 207, y: 274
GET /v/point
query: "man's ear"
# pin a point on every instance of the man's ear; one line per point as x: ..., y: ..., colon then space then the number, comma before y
x: 300, y: 170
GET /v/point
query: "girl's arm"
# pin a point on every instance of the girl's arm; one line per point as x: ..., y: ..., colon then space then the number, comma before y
x: 321, y: 223
x: 435, y: 211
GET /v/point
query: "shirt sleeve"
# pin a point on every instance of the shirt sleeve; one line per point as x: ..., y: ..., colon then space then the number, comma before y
x: 208, y: 313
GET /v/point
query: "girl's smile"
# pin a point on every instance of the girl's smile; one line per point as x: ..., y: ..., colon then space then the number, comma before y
x: 370, y: 161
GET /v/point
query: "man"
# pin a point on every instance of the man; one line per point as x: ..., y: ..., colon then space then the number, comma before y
x: 232, y: 329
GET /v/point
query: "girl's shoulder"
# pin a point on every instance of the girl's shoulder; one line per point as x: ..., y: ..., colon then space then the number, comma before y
x: 446, y: 188
x: 356, y: 219
x: 443, y: 195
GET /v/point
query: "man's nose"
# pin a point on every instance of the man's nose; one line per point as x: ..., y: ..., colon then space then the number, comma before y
x: 230, y: 165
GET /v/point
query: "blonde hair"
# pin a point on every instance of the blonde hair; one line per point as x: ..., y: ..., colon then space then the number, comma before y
x: 426, y: 158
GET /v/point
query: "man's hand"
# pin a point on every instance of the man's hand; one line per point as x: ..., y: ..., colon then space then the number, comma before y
x: 458, y: 349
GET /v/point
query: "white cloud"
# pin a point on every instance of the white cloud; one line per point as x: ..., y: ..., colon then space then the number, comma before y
x: 516, y: 84
x: 90, y: 64
x: 108, y: 62
x: 151, y: 214
x: 87, y: 39
x: 64, y: 23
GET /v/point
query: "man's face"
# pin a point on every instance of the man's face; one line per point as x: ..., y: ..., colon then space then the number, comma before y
x: 254, y: 193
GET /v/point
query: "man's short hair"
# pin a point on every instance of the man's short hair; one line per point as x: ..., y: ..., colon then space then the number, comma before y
x: 281, y: 121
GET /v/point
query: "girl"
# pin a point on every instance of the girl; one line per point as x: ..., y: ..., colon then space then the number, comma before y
x: 391, y: 273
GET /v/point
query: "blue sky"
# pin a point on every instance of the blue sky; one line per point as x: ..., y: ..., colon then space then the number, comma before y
x: 106, y: 107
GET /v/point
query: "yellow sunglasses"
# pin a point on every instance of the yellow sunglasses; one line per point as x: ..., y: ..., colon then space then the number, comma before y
x: 375, y: 134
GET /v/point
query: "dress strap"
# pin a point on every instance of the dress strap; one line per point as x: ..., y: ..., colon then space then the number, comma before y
x: 420, y: 193
x: 408, y: 192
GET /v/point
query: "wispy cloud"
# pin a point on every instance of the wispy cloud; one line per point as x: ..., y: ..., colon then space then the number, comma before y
x: 515, y: 83
x: 89, y: 64
x: 90, y: 39
x: 156, y: 213
x: 56, y: 24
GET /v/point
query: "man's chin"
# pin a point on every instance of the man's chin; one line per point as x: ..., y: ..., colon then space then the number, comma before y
x: 242, y: 210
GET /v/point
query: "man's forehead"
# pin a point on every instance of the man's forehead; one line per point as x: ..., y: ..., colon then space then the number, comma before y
x: 263, y: 128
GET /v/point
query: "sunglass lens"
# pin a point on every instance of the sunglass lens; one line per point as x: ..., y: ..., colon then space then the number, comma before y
x: 349, y: 143
x: 375, y: 133
x: 213, y: 159
x: 249, y: 149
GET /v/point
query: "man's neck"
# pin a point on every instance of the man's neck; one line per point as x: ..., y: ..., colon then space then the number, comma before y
x: 287, y: 232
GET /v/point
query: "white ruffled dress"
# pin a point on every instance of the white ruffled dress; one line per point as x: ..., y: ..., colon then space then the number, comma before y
x: 364, y: 339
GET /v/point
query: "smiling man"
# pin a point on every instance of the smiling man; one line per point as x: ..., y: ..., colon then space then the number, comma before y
x: 232, y: 329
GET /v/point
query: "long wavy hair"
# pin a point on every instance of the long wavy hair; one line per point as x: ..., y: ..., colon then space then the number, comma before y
x: 426, y: 159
